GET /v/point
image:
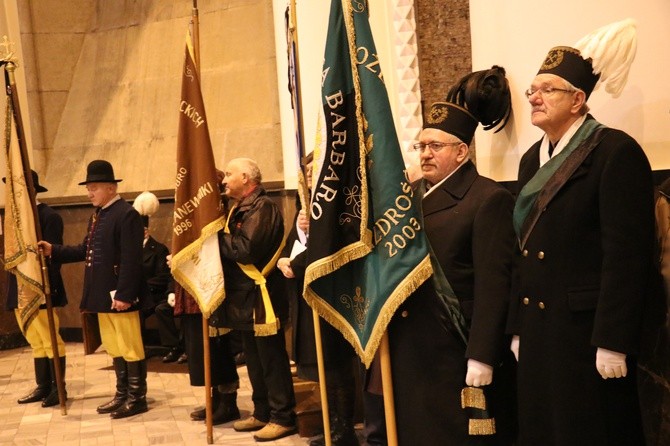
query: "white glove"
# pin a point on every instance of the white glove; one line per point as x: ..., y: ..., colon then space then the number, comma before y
x: 611, y: 364
x: 170, y: 300
x: 479, y: 374
x: 514, y: 346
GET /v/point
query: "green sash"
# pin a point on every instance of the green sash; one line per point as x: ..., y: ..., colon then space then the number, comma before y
x: 529, y: 194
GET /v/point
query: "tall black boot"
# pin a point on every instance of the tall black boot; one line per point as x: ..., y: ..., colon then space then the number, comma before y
x: 341, y: 401
x: 43, y: 380
x: 52, y: 398
x: 199, y: 414
x: 136, y: 402
x: 227, y: 409
x: 121, y: 370
x: 345, y: 435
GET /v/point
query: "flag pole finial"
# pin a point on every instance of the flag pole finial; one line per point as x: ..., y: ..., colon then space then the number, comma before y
x: 7, y: 50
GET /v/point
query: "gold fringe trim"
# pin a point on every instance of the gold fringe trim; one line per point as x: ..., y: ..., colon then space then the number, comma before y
x: 267, y: 329
x: 473, y: 397
x: 218, y: 331
x: 185, y: 254
x: 361, y: 123
x: 412, y: 281
x: 333, y: 262
x: 406, y: 287
x: 29, y: 310
x: 482, y: 427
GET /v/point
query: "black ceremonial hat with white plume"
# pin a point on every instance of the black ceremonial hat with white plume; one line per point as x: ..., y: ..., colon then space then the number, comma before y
x: 603, y: 56
x: 146, y: 204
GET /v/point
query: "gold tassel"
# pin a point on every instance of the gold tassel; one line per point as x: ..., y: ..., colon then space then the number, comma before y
x: 482, y: 427
x: 473, y: 397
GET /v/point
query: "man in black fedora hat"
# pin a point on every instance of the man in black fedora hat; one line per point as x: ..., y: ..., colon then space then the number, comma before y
x: 112, y: 251
x: 37, y: 333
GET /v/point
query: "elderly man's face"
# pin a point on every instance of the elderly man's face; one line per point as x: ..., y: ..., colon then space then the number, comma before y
x: 436, y: 165
x: 550, y: 111
x: 100, y: 193
x: 235, y: 180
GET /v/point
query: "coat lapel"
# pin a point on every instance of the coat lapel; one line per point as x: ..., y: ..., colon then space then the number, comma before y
x: 452, y: 191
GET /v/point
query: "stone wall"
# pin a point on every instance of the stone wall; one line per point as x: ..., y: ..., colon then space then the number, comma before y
x: 105, y: 81
x: 445, y: 52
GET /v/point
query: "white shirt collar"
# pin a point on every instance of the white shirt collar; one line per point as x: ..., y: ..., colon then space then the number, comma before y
x: 444, y: 179
x: 112, y: 201
x: 565, y: 139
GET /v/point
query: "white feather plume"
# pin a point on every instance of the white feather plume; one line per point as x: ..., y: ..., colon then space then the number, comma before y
x: 146, y: 203
x: 612, y: 51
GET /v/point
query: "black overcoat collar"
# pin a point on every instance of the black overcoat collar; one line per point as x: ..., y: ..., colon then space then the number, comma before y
x: 449, y: 193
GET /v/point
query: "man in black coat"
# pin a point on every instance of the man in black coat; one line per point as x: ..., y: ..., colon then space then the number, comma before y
x: 155, y: 269
x: 467, y: 219
x: 112, y: 251
x: 37, y: 333
x: 255, y: 300
x: 585, y: 222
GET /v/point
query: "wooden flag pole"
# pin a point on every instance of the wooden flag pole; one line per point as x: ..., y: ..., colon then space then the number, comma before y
x: 195, y: 24
x: 322, y: 378
x: 387, y: 386
x: 303, y: 194
x: 10, y: 67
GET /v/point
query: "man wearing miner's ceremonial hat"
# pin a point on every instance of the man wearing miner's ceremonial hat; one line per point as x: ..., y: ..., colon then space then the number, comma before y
x: 449, y: 334
x: 584, y: 219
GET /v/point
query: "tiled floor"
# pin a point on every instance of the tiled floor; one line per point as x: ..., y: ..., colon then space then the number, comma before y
x: 90, y: 382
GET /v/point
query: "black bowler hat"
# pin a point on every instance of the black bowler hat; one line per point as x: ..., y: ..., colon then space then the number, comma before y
x: 99, y: 171
x: 36, y: 182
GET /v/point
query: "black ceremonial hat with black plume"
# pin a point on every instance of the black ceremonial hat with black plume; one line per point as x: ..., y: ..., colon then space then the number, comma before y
x: 479, y: 97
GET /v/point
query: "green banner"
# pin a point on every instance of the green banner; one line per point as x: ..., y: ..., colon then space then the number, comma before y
x: 367, y: 251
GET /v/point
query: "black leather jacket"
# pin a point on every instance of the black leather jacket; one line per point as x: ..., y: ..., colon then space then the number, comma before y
x: 256, y: 231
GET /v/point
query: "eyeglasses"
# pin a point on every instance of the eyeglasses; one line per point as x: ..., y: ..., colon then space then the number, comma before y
x: 433, y: 146
x: 545, y: 91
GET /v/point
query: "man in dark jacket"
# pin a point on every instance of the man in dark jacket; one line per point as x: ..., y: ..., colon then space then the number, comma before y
x: 37, y: 333
x: 255, y: 300
x: 155, y: 269
x: 112, y: 251
x: 467, y: 219
x: 585, y: 222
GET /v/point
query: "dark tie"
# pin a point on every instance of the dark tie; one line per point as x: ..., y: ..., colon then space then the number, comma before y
x: 551, y: 149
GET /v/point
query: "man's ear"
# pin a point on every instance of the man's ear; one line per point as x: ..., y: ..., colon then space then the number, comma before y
x: 578, y: 100
x: 463, y: 150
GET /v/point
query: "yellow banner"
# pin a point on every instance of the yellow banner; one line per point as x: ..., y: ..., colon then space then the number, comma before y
x: 21, y: 256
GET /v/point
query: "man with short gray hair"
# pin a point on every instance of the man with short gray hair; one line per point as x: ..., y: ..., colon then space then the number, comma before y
x: 255, y: 301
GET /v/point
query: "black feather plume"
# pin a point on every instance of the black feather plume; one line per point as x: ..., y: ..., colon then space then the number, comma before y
x: 486, y: 95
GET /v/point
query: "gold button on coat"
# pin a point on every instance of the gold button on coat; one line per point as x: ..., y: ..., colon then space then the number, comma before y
x: 524, y: 253
x: 540, y: 255
x: 526, y: 301
x: 404, y: 313
x: 541, y: 305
